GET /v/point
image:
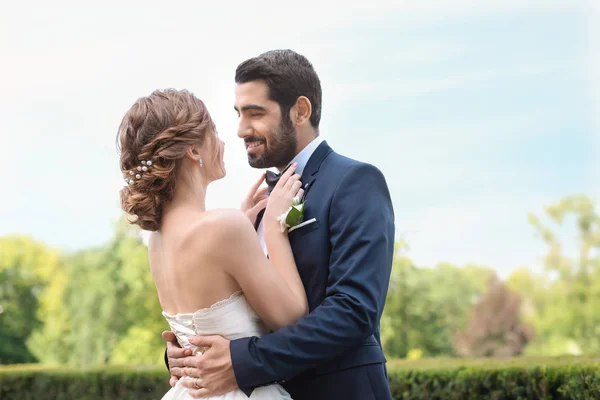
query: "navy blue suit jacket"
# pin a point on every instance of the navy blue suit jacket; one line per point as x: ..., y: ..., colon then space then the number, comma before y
x: 344, y: 260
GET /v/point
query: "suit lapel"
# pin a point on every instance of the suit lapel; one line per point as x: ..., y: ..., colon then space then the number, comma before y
x: 309, y: 175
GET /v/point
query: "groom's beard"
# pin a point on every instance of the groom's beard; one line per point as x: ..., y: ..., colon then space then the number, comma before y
x: 280, y: 148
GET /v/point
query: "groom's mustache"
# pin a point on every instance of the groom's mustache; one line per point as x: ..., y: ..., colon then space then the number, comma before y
x: 253, y: 139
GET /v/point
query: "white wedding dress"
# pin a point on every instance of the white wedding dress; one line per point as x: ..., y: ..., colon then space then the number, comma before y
x: 232, y: 318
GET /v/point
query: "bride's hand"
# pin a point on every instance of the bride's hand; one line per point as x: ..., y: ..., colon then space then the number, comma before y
x: 255, y: 200
x: 283, y: 194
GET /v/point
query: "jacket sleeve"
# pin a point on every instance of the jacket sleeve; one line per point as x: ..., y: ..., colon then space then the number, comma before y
x: 361, y: 227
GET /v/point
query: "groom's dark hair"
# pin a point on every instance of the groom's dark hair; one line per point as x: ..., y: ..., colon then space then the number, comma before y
x: 288, y: 75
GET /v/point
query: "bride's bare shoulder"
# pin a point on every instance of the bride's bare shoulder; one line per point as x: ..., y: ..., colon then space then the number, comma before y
x: 226, y: 217
x: 220, y: 224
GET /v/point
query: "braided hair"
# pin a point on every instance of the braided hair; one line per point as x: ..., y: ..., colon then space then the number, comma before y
x: 153, y: 138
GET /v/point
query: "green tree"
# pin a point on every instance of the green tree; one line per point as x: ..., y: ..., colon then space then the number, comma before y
x: 25, y: 268
x: 574, y: 291
x: 142, y: 342
x: 48, y: 342
x: 427, y: 306
x: 544, y: 306
x: 112, y: 304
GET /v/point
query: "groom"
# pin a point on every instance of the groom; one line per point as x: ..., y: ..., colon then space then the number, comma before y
x: 344, y: 258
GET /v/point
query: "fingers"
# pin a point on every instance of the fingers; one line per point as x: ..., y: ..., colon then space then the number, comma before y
x: 260, y: 205
x: 295, y: 186
x: 197, y: 388
x: 169, y: 337
x: 191, y: 362
x: 192, y: 372
x: 290, y: 171
x: 173, y: 351
x: 205, y: 341
x: 193, y: 383
x: 261, y: 193
x: 257, y: 184
x: 176, y: 366
x: 286, y: 175
x: 173, y: 381
x: 175, y: 357
x: 292, y: 187
x: 189, y: 366
x: 300, y: 193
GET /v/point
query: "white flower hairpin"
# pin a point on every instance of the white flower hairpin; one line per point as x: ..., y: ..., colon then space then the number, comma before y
x: 137, y: 172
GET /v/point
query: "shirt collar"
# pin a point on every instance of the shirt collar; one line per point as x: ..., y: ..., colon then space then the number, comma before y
x: 304, y: 155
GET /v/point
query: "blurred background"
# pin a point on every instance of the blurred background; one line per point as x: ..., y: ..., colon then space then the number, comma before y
x: 483, y: 115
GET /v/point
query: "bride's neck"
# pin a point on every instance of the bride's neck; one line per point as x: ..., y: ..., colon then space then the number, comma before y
x: 188, y: 196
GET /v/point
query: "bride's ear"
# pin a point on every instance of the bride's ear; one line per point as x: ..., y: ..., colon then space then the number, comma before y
x: 193, y: 153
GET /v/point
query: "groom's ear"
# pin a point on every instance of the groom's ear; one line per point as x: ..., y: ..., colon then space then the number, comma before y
x: 301, y: 111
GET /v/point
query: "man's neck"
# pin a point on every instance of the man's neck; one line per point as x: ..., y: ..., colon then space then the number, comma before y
x: 300, y: 157
x: 306, y: 140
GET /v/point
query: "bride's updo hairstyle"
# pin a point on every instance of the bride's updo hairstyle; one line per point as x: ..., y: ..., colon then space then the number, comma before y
x: 153, y: 138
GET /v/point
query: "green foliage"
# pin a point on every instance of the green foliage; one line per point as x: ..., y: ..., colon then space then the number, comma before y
x: 506, y: 379
x: 91, y: 308
x: 427, y: 306
x: 124, y: 383
x: 143, y: 346
x: 25, y: 267
x: 563, y: 301
x: 100, y: 307
x: 110, y: 299
x: 518, y: 378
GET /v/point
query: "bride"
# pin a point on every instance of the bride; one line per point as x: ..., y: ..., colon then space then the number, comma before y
x: 210, y: 272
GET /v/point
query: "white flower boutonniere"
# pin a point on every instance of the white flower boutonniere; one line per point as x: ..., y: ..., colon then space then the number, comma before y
x: 293, y: 216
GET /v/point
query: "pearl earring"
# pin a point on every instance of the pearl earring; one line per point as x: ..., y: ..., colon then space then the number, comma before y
x: 200, y: 162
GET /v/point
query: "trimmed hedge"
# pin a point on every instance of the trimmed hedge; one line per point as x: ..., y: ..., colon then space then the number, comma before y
x: 123, y: 383
x: 496, y: 379
x: 452, y: 379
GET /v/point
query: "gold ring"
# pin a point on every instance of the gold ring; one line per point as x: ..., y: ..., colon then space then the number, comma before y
x: 196, y: 383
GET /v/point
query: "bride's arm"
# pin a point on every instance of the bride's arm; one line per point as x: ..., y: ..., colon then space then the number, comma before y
x: 281, y: 256
x: 273, y: 287
x: 278, y: 244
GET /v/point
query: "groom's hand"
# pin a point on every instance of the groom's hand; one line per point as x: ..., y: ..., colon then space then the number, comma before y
x: 212, y: 369
x: 175, y: 355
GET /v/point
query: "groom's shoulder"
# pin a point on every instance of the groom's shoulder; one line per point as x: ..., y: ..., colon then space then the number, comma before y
x: 343, y: 161
x: 342, y: 165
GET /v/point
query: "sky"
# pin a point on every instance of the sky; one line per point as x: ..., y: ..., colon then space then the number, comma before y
x: 477, y: 112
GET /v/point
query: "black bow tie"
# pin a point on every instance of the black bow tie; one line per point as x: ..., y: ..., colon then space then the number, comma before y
x: 273, y: 177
